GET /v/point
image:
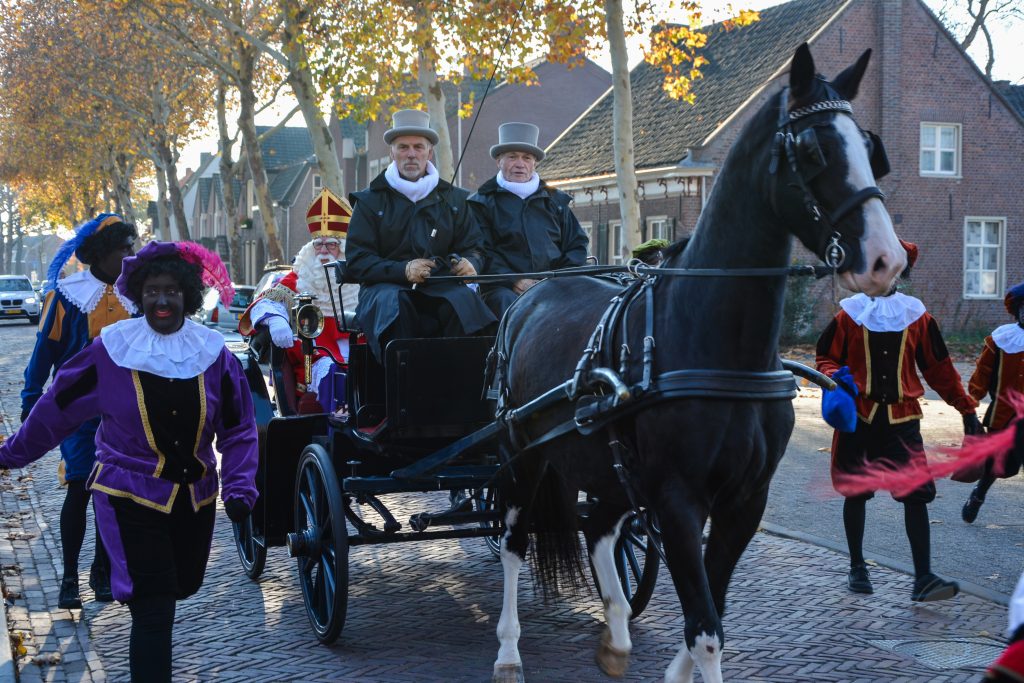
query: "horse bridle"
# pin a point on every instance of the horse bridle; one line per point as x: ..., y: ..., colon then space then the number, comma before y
x: 806, y: 160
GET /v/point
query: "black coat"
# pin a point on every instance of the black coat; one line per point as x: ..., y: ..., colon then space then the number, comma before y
x: 387, y: 230
x: 527, y: 235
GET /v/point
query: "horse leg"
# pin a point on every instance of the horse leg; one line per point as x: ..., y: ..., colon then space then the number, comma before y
x: 601, y: 529
x: 508, y: 667
x: 682, y: 525
x: 734, y: 523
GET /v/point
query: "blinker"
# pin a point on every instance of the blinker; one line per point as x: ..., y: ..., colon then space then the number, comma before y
x: 812, y: 159
x: 876, y: 152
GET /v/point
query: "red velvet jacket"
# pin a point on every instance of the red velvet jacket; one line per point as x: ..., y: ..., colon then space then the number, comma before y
x: 885, y: 364
x: 996, y: 374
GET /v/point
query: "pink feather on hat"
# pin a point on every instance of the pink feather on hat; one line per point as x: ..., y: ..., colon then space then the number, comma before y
x: 214, y: 273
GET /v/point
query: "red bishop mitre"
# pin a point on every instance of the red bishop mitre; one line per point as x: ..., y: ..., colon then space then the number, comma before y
x: 328, y: 216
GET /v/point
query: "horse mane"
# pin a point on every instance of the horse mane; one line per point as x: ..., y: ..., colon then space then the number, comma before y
x: 675, y: 248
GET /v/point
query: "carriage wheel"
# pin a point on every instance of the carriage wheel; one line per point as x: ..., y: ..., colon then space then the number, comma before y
x: 636, y: 562
x: 486, y: 500
x: 251, y: 552
x: 320, y: 543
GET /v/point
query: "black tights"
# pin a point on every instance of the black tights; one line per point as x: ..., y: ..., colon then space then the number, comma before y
x: 149, y: 650
x: 915, y: 518
x: 73, y: 517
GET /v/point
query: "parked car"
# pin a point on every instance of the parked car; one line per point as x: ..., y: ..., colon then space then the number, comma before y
x: 271, y: 276
x: 18, y: 299
x: 216, y: 314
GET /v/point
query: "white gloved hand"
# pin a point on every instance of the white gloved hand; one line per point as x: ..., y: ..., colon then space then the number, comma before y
x: 280, y: 332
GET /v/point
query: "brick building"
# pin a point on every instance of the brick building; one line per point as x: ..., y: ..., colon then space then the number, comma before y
x: 955, y: 141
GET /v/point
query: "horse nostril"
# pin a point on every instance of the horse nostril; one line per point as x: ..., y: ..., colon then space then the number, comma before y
x: 879, y: 264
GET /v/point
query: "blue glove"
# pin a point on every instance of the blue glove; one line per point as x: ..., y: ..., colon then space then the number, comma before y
x: 837, y: 406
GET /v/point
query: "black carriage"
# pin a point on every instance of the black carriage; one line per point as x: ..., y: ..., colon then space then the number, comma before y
x: 421, y: 422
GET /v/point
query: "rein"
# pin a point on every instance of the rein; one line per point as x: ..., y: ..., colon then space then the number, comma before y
x: 639, y: 269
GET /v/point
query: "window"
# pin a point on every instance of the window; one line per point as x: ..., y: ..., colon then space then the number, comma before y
x: 317, y: 182
x: 983, y: 257
x: 618, y: 241
x: 659, y: 228
x: 588, y: 228
x: 940, y: 149
x: 374, y: 168
x: 202, y: 225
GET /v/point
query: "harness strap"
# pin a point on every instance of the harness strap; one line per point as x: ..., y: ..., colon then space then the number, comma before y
x: 854, y: 201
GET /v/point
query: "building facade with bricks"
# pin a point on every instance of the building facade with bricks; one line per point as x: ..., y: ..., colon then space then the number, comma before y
x: 955, y: 141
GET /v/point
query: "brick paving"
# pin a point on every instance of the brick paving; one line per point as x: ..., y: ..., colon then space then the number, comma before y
x: 427, y: 612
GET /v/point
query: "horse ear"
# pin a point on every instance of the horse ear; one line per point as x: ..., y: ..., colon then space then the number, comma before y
x: 846, y: 83
x: 801, y: 72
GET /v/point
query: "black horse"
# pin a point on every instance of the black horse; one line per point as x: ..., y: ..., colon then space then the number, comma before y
x: 801, y: 166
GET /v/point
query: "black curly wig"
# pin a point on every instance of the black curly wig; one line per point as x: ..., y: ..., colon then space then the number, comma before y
x: 188, y: 275
x: 99, y: 244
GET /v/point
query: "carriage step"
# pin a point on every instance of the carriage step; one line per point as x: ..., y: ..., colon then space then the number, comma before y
x: 447, y: 479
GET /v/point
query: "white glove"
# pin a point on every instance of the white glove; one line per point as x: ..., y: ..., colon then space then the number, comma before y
x: 280, y: 332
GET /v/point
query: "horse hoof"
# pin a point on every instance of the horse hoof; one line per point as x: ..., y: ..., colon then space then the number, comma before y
x: 508, y: 673
x: 613, y: 662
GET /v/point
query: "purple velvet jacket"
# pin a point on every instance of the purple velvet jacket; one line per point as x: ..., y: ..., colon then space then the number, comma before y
x: 128, y: 461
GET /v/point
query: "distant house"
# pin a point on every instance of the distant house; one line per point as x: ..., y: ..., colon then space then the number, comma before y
x: 955, y: 141
x: 290, y: 165
x: 34, y: 254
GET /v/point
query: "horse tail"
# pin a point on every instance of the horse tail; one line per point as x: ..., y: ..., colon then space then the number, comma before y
x: 558, y: 558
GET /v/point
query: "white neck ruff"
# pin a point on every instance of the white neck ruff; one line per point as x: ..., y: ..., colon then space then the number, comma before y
x: 1009, y: 338
x: 521, y: 190
x: 133, y: 344
x: 85, y: 290
x: 415, y: 190
x: 892, y: 313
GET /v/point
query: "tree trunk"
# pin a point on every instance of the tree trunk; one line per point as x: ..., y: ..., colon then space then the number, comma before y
x: 247, y: 126
x: 622, y: 129
x: 301, y: 81
x: 168, y: 155
x: 228, y: 171
x: 163, y: 226
x: 433, y: 94
x: 123, y: 169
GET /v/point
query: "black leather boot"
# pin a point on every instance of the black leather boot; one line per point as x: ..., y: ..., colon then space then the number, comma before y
x: 68, y: 597
x: 858, y: 581
x: 99, y: 582
x: 969, y: 512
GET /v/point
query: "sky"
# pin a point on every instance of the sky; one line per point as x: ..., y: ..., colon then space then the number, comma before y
x: 1009, y: 65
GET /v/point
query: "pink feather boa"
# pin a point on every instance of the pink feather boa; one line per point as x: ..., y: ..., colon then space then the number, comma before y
x: 902, y: 479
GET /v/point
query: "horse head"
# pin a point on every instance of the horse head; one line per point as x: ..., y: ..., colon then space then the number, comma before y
x: 826, y: 168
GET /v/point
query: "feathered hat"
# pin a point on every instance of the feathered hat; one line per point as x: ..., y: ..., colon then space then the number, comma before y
x: 328, y: 216
x: 212, y: 269
x: 82, y: 233
x: 1013, y: 299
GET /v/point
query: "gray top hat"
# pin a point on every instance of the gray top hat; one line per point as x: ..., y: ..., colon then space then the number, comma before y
x: 410, y: 122
x: 517, y: 137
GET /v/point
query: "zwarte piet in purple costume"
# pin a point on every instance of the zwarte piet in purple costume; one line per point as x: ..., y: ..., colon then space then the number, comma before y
x: 164, y: 387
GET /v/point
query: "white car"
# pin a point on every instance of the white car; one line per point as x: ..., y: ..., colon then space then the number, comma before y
x: 18, y: 299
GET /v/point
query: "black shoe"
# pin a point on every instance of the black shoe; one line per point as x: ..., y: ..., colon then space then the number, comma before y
x: 929, y: 588
x: 969, y: 512
x: 858, y: 581
x: 68, y: 597
x: 99, y: 582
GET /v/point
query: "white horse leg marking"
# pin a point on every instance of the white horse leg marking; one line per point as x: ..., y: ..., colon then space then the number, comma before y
x: 616, y: 608
x: 508, y: 661
x: 706, y: 654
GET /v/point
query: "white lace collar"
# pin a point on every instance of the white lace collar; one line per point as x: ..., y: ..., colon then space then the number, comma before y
x: 1009, y: 338
x: 85, y: 290
x: 892, y: 313
x: 521, y: 190
x: 415, y: 190
x: 133, y: 344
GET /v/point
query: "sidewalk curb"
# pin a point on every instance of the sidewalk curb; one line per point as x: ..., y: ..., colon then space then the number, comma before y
x: 8, y: 672
x: 965, y: 586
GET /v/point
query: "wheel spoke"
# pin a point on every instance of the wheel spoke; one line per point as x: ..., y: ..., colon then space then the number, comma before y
x: 624, y: 578
x: 307, y: 506
x: 634, y: 562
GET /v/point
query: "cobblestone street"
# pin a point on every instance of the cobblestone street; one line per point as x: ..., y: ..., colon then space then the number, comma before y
x: 428, y: 612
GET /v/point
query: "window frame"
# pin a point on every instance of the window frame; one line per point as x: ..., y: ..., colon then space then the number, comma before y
x: 1001, y: 265
x: 588, y: 230
x: 666, y: 227
x: 957, y: 150
x: 615, y: 230
x: 318, y: 183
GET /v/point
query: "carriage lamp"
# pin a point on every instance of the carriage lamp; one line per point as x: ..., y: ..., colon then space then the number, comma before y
x: 309, y: 323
